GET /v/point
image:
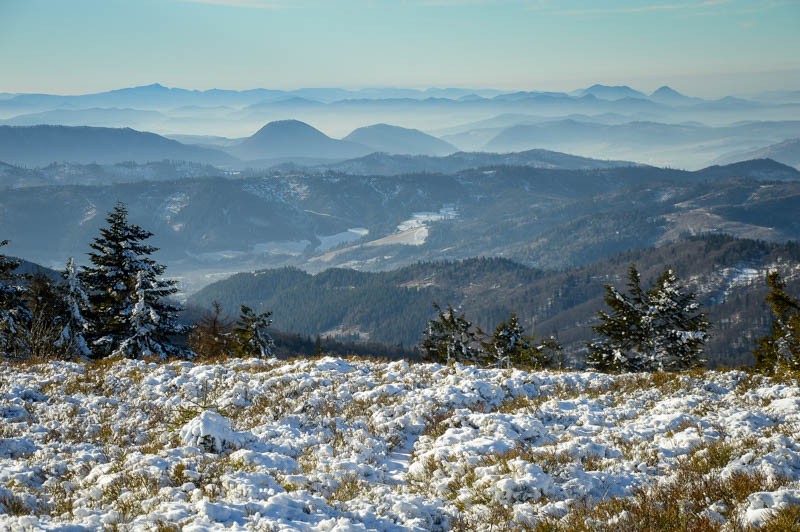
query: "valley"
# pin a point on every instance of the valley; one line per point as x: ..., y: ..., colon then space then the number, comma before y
x: 541, y: 217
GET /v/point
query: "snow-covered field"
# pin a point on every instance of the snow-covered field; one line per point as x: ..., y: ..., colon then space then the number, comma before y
x: 331, y: 444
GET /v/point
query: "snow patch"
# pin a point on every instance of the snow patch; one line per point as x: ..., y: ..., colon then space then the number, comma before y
x: 345, y: 237
x: 210, y: 432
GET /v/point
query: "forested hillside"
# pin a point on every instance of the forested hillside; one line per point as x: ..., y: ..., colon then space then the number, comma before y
x: 393, y: 307
x: 545, y: 218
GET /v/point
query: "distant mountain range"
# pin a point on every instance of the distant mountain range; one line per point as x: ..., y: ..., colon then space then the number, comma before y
x: 391, y: 150
x: 276, y: 142
x: 159, y: 96
x: 42, y: 145
x: 463, y: 120
x: 631, y: 134
x: 98, y: 117
x: 786, y: 152
x: 647, y: 142
x: 375, y: 164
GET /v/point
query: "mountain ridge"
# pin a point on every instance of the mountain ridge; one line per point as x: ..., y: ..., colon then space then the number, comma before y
x: 393, y: 307
x: 42, y: 144
x: 293, y: 138
x: 786, y: 152
x: 397, y: 140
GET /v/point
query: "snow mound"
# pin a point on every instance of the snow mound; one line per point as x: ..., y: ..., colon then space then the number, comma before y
x: 211, y: 432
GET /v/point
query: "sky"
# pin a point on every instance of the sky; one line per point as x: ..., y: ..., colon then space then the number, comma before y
x: 702, y: 47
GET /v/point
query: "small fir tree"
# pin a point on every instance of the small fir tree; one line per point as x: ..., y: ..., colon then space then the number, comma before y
x: 780, y: 348
x: 542, y: 353
x: 252, y: 338
x: 620, y: 330
x: 142, y: 325
x: 678, y: 330
x: 661, y: 329
x: 13, y: 314
x: 41, y: 332
x: 72, y: 340
x: 450, y: 338
x: 508, y: 343
x: 213, y: 336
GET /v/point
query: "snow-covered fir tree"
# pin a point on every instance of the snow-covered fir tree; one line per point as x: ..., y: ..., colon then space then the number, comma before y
x: 124, y: 286
x: 508, y: 343
x: 620, y: 330
x: 450, y: 338
x: 145, y: 336
x: 72, y: 339
x: 250, y: 332
x: 658, y: 330
x: 678, y: 330
x: 780, y: 348
x: 13, y: 314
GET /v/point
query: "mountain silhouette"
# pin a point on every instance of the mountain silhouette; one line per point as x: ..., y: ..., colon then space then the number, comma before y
x: 669, y: 96
x: 609, y: 92
x: 286, y: 139
x: 786, y: 152
x: 399, y: 141
x: 42, y: 145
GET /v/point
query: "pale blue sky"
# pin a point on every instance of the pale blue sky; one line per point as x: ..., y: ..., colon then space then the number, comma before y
x: 705, y: 47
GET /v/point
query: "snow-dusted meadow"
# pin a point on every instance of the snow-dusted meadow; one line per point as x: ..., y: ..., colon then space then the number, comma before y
x: 332, y: 444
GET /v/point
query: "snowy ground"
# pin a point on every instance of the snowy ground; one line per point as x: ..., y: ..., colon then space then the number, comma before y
x: 331, y: 444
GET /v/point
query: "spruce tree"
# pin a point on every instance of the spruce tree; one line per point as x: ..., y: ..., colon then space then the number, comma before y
x: 127, y: 295
x: 449, y: 338
x: 508, y: 343
x: 72, y: 339
x: 148, y: 327
x: 621, y: 330
x: 781, y: 348
x: 14, y: 316
x: 511, y: 347
x: 677, y: 328
x: 658, y: 330
x: 252, y: 338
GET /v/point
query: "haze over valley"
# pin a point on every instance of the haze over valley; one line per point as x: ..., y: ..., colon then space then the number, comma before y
x: 664, y: 127
x: 419, y: 265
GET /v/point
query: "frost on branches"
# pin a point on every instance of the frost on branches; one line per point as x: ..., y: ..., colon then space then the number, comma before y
x: 450, y: 338
x: 13, y: 313
x: 148, y: 327
x: 251, y: 336
x: 508, y: 343
x: 76, y: 326
x: 658, y: 330
x: 128, y: 312
x: 781, y: 348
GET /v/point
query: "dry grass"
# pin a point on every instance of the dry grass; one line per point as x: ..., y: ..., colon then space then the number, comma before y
x: 680, y: 503
x: 13, y: 504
